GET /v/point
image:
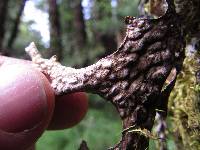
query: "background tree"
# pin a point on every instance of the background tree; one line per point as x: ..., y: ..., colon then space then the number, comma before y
x: 103, y: 26
x: 16, y: 24
x: 55, y: 30
x: 3, y: 15
x: 79, y: 25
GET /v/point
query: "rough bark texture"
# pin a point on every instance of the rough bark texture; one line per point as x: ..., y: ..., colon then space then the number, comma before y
x: 16, y: 24
x: 55, y: 30
x: 187, y: 134
x: 189, y: 12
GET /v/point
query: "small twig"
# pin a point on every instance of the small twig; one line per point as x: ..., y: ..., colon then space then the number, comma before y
x: 143, y: 132
x: 83, y: 146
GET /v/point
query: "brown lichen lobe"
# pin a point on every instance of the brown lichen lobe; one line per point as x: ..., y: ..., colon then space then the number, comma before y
x: 132, y: 77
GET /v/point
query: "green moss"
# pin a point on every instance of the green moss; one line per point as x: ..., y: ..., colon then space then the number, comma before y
x: 183, y: 107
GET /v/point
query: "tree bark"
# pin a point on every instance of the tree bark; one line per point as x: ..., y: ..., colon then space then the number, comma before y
x: 79, y: 25
x: 16, y: 24
x: 185, y: 122
x: 55, y: 30
x: 3, y: 15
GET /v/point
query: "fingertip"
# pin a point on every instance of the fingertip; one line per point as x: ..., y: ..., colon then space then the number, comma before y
x: 69, y: 110
x: 26, y: 105
x: 21, y: 93
x: 50, y: 95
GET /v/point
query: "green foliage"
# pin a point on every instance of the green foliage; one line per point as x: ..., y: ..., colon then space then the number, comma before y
x: 104, y: 19
x: 23, y: 40
x: 101, y: 129
x: 170, y: 143
x: 127, y: 8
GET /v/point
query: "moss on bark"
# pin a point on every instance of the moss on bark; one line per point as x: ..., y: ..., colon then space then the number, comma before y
x: 184, y: 106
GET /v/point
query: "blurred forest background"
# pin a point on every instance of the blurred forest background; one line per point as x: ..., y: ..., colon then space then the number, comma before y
x: 80, y: 32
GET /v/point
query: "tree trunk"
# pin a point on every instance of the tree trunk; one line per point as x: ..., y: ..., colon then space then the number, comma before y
x: 79, y: 25
x: 184, y: 101
x: 55, y: 30
x: 3, y: 15
x: 16, y: 24
x: 102, y: 9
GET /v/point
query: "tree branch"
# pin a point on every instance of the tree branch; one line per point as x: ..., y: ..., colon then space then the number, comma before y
x: 131, y: 78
